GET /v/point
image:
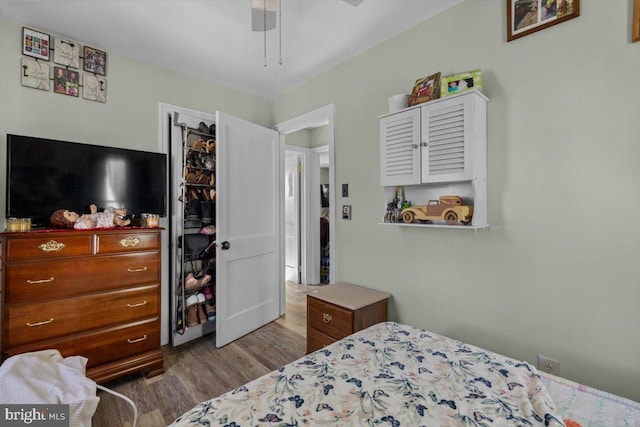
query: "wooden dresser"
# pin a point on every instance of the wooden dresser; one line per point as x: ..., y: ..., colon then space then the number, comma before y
x: 94, y: 293
x: 335, y: 311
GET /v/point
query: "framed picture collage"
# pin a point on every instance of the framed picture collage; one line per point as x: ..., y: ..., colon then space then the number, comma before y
x: 65, y: 75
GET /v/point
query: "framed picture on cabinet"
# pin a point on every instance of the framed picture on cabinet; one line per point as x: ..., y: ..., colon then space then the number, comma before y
x: 462, y: 82
x: 36, y: 44
x: 425, y: 89
x: 95, y: 61
x: 525, y: 17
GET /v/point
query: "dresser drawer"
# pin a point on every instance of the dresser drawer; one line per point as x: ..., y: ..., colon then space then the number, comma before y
x: 329, y: 319
x: 37, y: 281
x: 44, y: 247
x: 26, y: 323
x: 127, y: 242
x: 105, y: 345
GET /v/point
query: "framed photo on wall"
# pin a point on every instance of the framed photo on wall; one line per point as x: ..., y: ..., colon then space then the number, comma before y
x: 525, y: 17
x: 95, y: 61
x: 36, y: 44
x: 67, y: 53
x: 425, y: 89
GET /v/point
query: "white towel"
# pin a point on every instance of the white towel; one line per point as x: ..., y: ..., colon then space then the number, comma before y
x: 45, y: 377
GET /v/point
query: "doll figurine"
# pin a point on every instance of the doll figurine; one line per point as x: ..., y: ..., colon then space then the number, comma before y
x: 110, y: 217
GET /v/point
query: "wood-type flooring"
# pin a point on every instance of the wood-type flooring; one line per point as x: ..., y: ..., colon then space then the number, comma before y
x: 197, y: 371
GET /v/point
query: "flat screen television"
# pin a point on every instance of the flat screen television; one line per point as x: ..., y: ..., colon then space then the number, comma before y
x: 44, y: 175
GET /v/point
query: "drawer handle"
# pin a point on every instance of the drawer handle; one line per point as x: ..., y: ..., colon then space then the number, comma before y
x: 326, y: 317
x: 44, y: 322
x: 137, y: 305
x: 136, y: 270
x: 51, y: 246
x: 130, y: 341
x: 35, y: 282
x: 129, y: 241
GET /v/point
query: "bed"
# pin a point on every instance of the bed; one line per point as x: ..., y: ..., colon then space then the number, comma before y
x: 397, y: 375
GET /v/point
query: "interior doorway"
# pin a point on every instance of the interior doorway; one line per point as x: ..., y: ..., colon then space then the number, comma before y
x: 308, y: 144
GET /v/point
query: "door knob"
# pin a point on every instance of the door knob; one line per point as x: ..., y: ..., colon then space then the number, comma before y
x: 225, y: 245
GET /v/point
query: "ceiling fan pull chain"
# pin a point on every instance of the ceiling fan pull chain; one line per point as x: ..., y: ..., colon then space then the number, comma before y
x: 264, y: 32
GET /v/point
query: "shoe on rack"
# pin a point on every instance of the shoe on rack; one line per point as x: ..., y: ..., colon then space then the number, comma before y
x: 208, y: 294
x: 191, y: 282
x: 200, y: 297
x: 202, y: 127
x: 212, y: 129
x: 202, y: 316
x: 192, y: 315
x: 198, y: 145
x: 192, y: 300
x: 210, y: 309
x: 210, y: 145
x: 209, y: 229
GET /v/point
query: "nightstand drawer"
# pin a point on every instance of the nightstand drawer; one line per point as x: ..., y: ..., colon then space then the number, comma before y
x: 28, y: 323
x: 317, y: 340
x: 329, y: 319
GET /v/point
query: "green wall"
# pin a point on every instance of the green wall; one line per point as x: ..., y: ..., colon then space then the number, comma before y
x: 558, y: 272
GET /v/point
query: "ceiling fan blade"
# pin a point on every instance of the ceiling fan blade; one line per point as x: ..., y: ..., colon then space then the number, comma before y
x: 353, y: 2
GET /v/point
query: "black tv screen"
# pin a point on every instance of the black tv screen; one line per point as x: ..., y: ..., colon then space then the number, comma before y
x: 44, y: 175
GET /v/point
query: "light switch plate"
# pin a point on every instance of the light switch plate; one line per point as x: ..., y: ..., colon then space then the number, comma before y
x: 345, y: 190
x: 346, y: 211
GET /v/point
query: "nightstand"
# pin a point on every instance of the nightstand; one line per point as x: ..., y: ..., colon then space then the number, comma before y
x: 335, y: 311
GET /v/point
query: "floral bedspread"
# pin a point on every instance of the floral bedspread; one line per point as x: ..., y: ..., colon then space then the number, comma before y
x: 387, y: 375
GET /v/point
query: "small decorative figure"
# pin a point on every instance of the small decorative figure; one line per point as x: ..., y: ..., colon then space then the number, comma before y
x: 110, y: 217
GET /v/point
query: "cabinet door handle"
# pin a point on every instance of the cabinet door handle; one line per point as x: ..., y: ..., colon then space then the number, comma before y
x: 137, y: 305
x: 44, y: 322
x: 414, y: 145
x: 326, y: 317
x: 130, y: 341
x: 129, y: 241
x: 51, y: 246
x: 136, y: 270
x: 424, y: 144
x: 35, y: 282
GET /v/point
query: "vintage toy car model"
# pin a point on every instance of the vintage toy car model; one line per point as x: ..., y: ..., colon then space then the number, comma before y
x: 448, y: 208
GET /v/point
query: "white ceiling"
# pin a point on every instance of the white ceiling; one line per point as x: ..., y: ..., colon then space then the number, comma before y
x: 212, y: 39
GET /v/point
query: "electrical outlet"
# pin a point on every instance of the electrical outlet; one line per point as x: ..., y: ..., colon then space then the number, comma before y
x: 548, y: 365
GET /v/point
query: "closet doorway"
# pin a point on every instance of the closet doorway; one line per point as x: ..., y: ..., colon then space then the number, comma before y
x: 308, y: 142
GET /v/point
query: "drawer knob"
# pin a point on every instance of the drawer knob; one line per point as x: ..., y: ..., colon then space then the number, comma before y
x: 130, y: 341
x: 129, y: 241
x: 44, y: 322
x: 51, y: 246
x: 35, y: 282
x: 136, y: 270
x: 326, y: 317
x: 137, y: 305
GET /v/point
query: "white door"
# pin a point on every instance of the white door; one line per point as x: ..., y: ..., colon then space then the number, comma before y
x: 292, y: 216
x: 248, y: 222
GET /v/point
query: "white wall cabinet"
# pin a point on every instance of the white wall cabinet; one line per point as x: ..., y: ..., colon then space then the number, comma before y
x: 438, y: 148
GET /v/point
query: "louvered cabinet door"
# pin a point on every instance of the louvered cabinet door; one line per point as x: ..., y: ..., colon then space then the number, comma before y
x: 400, y: 148
x: 447, y: 138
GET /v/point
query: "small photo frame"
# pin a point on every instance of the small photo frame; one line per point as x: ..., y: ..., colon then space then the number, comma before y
x: 67, y: 53
x: 528, y: 16
x: 425, y: 89
x: 36, y: 44
x: 95, y: 61
x: 66, y: 82
x: 35, y: 74
x: 462, y: 82
x: 94, y: 88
